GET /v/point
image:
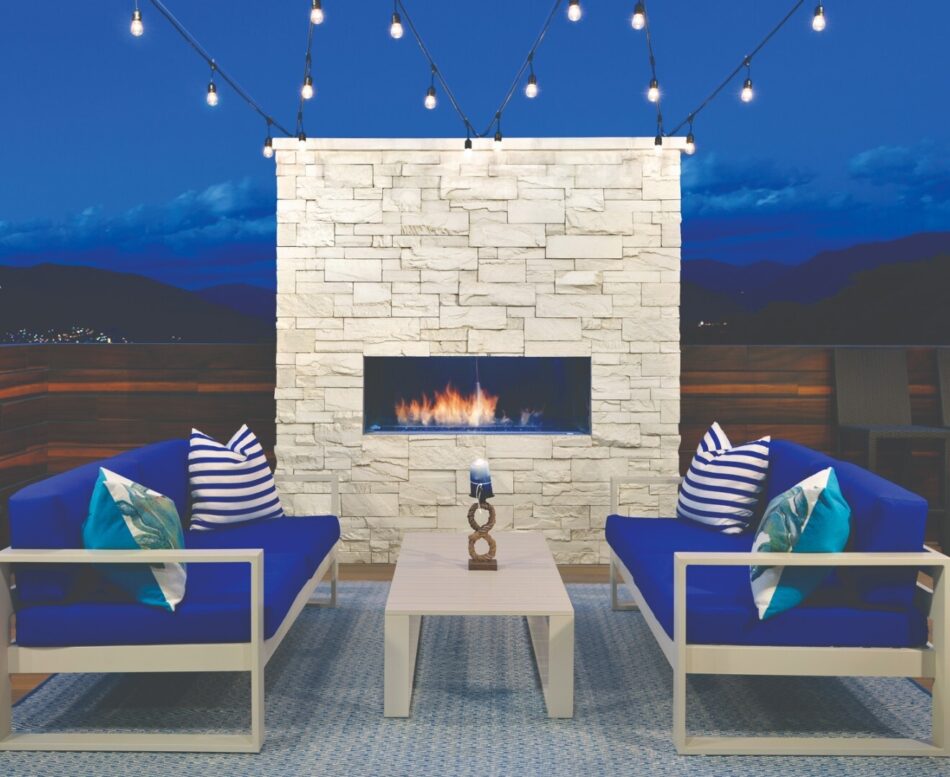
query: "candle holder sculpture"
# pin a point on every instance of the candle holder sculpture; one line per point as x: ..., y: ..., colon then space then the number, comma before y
x: 482, y: 491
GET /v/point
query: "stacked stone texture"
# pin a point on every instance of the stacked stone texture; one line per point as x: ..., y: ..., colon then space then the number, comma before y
x: 554, y: 247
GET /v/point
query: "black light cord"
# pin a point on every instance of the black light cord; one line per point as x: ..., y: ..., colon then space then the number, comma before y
x: 646, y: 29
x: 308, y: 63
x: 746, y: 60
x: 436, y: 72
x: 528, y: 62
x: 215, y: 67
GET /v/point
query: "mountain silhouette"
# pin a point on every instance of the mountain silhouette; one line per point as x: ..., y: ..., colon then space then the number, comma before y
x: 753, y: 287
x: 56, y: 298
x: 902, y: 303
x: 243, y: 298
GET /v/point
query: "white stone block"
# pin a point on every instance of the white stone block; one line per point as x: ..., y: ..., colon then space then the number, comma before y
x: 477, y: 317
x: 536, y: 211
x: 492, y: 342
x: 547, y: 329
x: 496, y: 233
x: 476, y: 188
x: 585, y: 247
x: 354, y: 270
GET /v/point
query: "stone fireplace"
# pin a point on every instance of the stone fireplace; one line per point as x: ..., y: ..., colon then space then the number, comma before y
x: 435, y: 306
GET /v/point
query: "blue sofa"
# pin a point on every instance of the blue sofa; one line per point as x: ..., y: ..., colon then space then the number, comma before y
x: 246, y: 585
x: 692, y: 585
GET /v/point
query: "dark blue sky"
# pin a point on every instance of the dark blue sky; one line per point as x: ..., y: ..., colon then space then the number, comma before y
x: 111, y: 157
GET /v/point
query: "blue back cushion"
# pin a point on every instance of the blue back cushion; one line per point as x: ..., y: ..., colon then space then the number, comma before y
x: 884, y: 517
x: 50, y: 514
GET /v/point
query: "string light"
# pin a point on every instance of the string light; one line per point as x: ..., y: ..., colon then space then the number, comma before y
x: 212, y: 97
x: 531, y: 88
x: 498, y: 139
x: 747, y: 94
x: 818, y: 21
x: 639, y: 19
x: 307, y: 90
x: 468, y: 146
x: 316, y: 12
x: 395, y: 27
x: 268, y: 149
x: 574, y: 11
x: 302, y: 139
x: 653, y: 93
x: 690, y: 148
x: 658, y: 144
x: 430, y: 101
x: 137, y: 28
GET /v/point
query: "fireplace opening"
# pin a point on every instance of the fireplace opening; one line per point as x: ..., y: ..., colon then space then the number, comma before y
x: 476, y: 394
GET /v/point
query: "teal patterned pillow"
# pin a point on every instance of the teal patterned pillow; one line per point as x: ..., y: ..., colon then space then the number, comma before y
x: 811, y: 517
x: 124, y: 515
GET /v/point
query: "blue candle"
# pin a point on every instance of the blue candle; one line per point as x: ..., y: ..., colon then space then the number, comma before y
x: 480, y: 479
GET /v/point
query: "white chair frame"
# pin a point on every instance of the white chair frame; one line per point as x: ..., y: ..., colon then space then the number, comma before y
x: 931, y: 661
x: 250, y: 656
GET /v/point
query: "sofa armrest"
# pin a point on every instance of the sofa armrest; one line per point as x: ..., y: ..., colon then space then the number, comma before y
x: 317, y: 477
x: 253, y: 557
x: 927, y: 558
x: 645, y: 479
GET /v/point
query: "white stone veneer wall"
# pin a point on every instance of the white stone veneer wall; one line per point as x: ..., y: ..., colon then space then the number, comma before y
x: 561, y: 247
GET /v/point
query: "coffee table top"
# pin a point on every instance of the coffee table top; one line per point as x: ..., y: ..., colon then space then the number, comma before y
x: 432, y: 578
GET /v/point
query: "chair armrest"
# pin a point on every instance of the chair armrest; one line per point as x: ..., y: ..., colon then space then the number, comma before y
x: 641, y: 480
x: 317, y: 477
x: 682, y: 560
x: 254, y: 557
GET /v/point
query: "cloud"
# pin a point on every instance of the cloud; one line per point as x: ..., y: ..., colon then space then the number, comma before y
x: 222, y: 233
x: 918, y: 174
x: 715, y: 185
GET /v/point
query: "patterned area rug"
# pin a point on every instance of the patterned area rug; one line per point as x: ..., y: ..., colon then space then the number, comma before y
x: 477, y: 707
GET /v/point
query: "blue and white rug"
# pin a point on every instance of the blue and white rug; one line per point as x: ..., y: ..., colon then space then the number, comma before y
x: 477, y: 707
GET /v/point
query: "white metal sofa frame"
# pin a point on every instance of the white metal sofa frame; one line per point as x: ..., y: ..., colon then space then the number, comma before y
x: 214, y: 657
x: 932, y: 661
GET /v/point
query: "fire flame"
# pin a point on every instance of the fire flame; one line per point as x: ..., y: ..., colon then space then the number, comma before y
x: 449, y: 408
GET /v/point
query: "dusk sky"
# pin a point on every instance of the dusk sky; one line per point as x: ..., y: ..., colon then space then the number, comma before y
x: 112, y: 158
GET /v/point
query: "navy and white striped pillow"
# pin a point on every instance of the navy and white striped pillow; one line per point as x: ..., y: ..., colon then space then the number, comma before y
x: 230, y: 484
x: 723, y: 485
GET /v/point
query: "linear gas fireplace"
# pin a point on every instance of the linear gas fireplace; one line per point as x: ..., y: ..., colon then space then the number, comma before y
x: 476, y: 394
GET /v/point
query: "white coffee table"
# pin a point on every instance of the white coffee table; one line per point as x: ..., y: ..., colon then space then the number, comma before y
x: 432, y: 578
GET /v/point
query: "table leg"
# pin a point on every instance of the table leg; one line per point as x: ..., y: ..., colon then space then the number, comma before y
x: 401, y: 636
x: 552, y: 639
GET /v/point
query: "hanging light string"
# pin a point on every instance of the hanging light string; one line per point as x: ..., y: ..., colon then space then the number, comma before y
x: 744, y: 64
x: 216, y: 67
x: 654, y: 93
x: 528, y: 63
x: 307, y: 83
x: 400, y: 8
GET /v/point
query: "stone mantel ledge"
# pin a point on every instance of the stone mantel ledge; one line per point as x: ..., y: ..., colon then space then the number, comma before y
x: 479, y: 144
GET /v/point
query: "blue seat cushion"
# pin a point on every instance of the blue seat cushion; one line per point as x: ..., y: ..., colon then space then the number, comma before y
x: 884, y: 518
x: 216, y: 609
x: 719, y: 604
x: 311, y: 536
x: 50, y: 513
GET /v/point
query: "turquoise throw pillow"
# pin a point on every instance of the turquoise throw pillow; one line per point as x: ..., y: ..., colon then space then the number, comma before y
x: 124, y: 515
x: 811, y: 517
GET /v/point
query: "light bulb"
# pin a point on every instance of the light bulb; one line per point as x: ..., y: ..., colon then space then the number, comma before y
x: 307, y: 91
x: 268, y: 150
x: 747, y: 94
x: 468, y: 146
x: 818, y: 21
x: 574, y: 12
x: 531, y: 88
x: 658, y: 144
x: 690, y: 144
x: 316, y: 13
x: 430, y: 100
x: 639, y: 19
x: 653, y: 93
x: 137, y: 28
x: 212, y: 97
x: 497, y: 144
x: 302, y: 139
x: 395, y: 29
